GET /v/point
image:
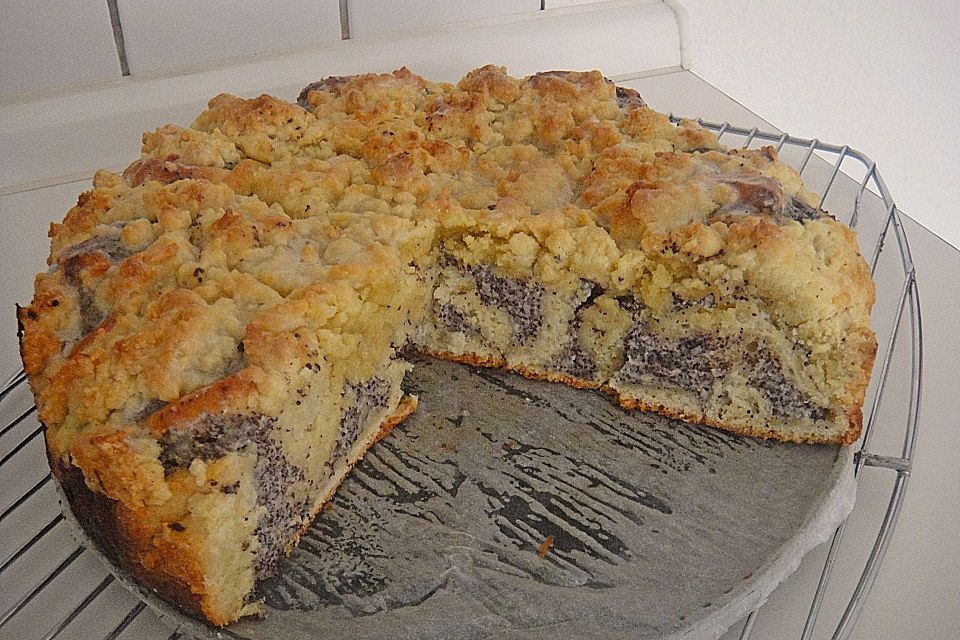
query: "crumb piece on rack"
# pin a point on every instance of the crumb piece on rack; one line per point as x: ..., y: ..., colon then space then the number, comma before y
x: 544, y: 547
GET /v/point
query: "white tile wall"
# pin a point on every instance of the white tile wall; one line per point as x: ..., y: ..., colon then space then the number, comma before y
x: 179, y: 33
x: 50, y: 43
x: 375, y: 17
x: 47, y: 43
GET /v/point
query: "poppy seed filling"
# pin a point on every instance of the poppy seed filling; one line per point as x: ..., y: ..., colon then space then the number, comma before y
x: 451, y: 319
x: 365, y: 399
x: 520, y: 298
x: 72, y: 262
x: 574, y: 360
x: 214, y: 436
x: 280, y: 485
x: 786, y: 401
x: 692, y: 363
x: 800, y: 211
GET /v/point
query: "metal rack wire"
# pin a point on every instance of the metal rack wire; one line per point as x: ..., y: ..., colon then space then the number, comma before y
x: 92, y: 603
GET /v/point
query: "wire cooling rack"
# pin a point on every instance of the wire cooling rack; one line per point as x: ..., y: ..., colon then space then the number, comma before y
x: 53, y: 587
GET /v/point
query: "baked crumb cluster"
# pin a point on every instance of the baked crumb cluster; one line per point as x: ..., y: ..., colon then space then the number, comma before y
x: 220, y: 333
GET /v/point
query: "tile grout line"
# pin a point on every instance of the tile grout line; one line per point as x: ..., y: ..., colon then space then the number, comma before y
x: 118, y: 37
x: 344, y: 20
x: 52, y: 181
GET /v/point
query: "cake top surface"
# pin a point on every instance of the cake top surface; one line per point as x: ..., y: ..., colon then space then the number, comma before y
x: 269, y: 232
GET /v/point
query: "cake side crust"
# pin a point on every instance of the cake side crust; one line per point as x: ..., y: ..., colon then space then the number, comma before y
x: 854, y: 419
x: 173, y: 575
x: 854, y: 416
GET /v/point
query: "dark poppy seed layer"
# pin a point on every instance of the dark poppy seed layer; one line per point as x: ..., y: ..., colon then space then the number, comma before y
x: 212, y: 437
x: 692, y: 363
x: 786, y: 401
x: 800, y: 211
x: 450, y: 318
x: 574, y: 360
x: 520, y: 298
x: 72, y: 264
x: 364, y: 400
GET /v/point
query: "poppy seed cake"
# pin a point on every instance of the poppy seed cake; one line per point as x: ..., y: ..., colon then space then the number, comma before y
x: 220, y: 334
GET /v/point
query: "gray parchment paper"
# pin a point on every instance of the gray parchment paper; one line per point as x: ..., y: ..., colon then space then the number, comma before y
x: 511, y: 508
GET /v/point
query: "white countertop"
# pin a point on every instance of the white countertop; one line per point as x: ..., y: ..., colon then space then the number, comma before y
x: 918, y: 588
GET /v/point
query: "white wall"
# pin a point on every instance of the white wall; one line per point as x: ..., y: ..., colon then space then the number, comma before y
x: 48, y: 45
x: 881, y: 76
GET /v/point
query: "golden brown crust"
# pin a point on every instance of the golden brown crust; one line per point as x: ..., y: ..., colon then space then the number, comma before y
x: 408, y: 404
x: 855, y: 419
x: 477, y: 360
x: 225, y: 395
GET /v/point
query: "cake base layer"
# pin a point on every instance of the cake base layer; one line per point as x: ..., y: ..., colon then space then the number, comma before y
x: 675, y: 412
x: 408, y: 404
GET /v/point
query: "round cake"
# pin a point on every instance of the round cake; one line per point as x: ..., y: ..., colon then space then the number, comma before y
x: 222, y: 330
